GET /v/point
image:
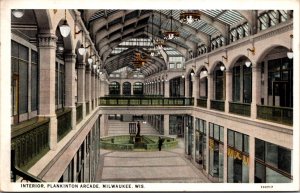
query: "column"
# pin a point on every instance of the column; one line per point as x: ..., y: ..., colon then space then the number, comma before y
x: 131, y: 89
x: 195, y: 80
x: 187, y: 86
x: 225, y: 156
x: 166, y: 125
x: 92, y: 90
x: 167, y: 89
x: 102, y: 88
x: 121, y: 88
x: 96, y: 90
x: 194, y: 140
x: 88, y: 86
x: 103, y: 125
x: 162, y: 87
x: 70, y: 86
x: 251, y: 159
x: 209, y: 89
x: 256, y: 89
x: 47, y: 56
x: 81, y: 86
x: 207, y: 148
x: 228, y: 97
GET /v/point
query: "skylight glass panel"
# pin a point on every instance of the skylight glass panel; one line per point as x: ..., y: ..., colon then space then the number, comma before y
x: 198, y: 24
x: 212, y: 13
x: 209, y: 30
x: 97, y: 15
x: 184, y: 33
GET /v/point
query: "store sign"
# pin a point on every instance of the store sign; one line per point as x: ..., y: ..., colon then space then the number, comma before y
x: 211, y: 144
x: 237, y: 155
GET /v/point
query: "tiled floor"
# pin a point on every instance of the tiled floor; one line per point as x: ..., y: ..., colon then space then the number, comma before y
x: 155, y: 166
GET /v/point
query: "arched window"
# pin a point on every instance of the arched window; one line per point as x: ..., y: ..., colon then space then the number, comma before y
x: 138, y: 88
x: 126, y: 88
x: 114, y: 88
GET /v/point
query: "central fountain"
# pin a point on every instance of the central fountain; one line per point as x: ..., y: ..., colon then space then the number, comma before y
x: 136, y: 141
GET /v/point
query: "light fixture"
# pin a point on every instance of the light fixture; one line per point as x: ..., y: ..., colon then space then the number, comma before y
x: 251, y: 50
x: 65, y: 28
x: 189, y: 16
x: 290, y: 53
x: 18, y: 13
x: 171, y: 34
x: 160, y: 44
x: 81, y: 50
x: 222, y: 68
x: 90, y: 59
x: 94, y: 66
x: 182, y: 76
x: 248, y: 63
x: 60, y: 48
x: 204, y: 72
x: 138, y: 61
x: 192, y: 73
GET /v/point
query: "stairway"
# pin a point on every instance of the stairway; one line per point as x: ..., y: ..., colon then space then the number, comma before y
x: 116, y: 127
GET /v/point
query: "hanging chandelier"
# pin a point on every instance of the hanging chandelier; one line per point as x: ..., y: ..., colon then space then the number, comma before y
x: 169, y: 35
x: 138, y: 61
x: 160, y: 44
x: 189, y: 16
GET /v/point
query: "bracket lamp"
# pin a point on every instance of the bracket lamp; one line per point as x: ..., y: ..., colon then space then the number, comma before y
x: 222, y: 68
x: 248, y: 63
x: 251, y: 50
x: 65, y: 28
x: 290, y: 53
x: 81, y: 50
x: 18, y: 13
x: 90, y: 59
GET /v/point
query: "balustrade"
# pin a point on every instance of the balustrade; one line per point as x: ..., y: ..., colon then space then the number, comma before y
x: 283, y: 115
x: 243, y: 109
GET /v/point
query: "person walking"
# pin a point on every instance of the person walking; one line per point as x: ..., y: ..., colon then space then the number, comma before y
x: 160, y: 142
x: 138, y: 128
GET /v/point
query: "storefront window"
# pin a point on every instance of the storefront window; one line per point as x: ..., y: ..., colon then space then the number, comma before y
x: 272, y: 163
x: 176, y: 125
x: 200, y: 150
x: 216, y: 150
x: 189, y: 135
x: 237, y: 157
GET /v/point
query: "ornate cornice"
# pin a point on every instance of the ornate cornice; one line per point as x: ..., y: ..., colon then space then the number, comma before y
x: 47, y: 40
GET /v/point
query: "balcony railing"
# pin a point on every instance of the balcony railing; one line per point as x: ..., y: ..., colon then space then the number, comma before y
x: 79, y: 115
x: 18, y: 173
x: 64, y: 118
x: 134, y: 96
x: 217, y: 105
x: 243, y: 109
x: 202, y: 102
x: 283, y: 115
x: 29, y: 141
x: 87, y: 107
x: 138, y: 101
